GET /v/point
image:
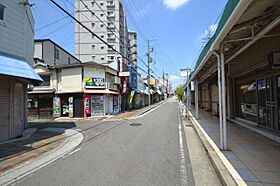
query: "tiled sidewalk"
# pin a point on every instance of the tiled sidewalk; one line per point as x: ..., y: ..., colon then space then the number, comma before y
x: 17, y: 153
x: 255, y: 158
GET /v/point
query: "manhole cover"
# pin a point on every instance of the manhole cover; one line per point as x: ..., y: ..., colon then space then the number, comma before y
x: 135, y: 124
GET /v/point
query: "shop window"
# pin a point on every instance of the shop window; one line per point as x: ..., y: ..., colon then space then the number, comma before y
x: 247, y: 101
x: 261, y: 85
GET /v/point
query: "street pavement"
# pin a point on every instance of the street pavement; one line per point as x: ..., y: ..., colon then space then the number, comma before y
x: 150, y: 150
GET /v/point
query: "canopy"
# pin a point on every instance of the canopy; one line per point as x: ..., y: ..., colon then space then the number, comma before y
x: 17, y: 68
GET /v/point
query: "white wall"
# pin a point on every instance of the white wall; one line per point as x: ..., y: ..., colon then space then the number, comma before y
x: 71, y: 80
x: 17, y: 31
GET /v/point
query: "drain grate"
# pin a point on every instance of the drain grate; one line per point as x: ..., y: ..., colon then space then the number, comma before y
x: 135, y: 124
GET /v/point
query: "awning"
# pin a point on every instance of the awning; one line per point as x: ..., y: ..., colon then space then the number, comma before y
x: 152, y: 91
x: 96, y: 91
x: 17, y: 68
x: 159, y: 92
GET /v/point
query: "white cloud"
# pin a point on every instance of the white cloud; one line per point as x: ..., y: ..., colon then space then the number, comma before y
x: 208, y: 33
x: 174, y: 4
x: 176, y: 81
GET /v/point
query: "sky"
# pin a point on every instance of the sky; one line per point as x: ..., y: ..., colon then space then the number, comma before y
x: 177, y: 28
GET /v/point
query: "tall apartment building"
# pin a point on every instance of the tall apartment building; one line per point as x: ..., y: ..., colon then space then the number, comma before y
x: 106, y: 18
x: 133, y: 47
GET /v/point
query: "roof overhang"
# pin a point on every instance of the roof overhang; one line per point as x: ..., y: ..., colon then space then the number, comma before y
x: 242, y: 24
x: 18, y: 68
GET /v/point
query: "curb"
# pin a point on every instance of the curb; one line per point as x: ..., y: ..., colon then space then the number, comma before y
x: 73, y: 139
x: 225, y: 171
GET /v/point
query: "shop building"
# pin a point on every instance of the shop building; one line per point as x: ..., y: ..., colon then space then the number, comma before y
x: 16, y: 57
x: 47, y: 55
x: 237, y: 73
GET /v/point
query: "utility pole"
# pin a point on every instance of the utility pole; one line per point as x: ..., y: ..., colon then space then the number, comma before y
x: 149, y: 74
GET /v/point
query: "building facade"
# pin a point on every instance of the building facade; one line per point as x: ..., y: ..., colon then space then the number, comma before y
x: 16, y: 58
x: 47, y: 55
x: 106, y: 18
x: 237, y: 73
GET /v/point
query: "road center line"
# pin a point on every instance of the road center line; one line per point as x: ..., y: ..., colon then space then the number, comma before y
x: 150, y: 111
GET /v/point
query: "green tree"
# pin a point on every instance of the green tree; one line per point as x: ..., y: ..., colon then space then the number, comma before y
x: 180, y: 92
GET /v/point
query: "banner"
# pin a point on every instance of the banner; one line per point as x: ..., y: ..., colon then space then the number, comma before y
x: 56, y: 107
x: 131, y: 96
x: 87, y: 105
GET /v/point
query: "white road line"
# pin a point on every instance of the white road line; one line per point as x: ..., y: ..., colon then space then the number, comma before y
x: 141, y: 116
x: 74, y: 151
x: 183, y: 168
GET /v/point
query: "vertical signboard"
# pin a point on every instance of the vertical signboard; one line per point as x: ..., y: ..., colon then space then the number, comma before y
x: 56, y: 107
x: 71, y: 109
x: 87, y: 105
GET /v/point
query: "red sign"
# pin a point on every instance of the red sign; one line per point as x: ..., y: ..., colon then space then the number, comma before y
x: 87, y: 105
x: 124, y: 85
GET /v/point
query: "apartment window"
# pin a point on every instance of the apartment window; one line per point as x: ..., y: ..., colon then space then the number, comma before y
x: 2, y: 9
x: 101, y: 4
x: 110, y: 58
x: 102, y: 25
x: 101, y: 15
x: 92, y: 14
x: 92, y: 25
x: 110, y: 36
x: 102, y: 36
x: 102, y: 47
x: 47, y: 79
x: 92, y: 36
x: 110, y: 14
x: 56, y: 53
x: 92, y: 47
x: 69, y: 60
x: 92, y: 4
x: 102, y: 59
x: 93, y: 58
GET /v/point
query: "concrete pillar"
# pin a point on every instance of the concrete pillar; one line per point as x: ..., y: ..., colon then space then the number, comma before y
x: 196, y: 99
x: 220, y: 103
x: 224, y: 100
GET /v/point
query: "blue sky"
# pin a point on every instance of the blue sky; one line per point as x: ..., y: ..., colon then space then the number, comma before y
x: 177, y: 26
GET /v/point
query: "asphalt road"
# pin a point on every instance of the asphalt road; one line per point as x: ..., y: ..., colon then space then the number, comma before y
x: 145, y: 151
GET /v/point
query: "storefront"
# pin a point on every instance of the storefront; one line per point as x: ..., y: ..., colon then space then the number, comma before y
x: 68, y: 105
x: 258, y: 100
x: 40, y: 106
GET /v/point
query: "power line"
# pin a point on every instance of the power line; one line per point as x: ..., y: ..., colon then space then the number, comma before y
x: 66, y: 12
x: 141, y: 60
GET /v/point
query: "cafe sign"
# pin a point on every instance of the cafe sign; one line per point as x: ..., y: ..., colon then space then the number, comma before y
x: 94, y: 82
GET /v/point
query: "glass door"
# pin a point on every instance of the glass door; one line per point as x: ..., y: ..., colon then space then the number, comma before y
x: 271, y: 103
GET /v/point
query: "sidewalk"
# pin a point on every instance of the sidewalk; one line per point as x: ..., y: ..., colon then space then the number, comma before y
x: 15, y: 153
x: 21, y: 157
x: 255, y: 158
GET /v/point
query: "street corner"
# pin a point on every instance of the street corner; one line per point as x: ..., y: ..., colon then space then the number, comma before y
x: 42, y: 147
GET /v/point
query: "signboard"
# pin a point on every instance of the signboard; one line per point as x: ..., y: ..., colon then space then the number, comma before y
x: 56, y: 107
x: 94, y: 82
x: 124, y: 74
x: 112, y: 86
x: 185, y: 72
x: 131, y: 96
x: 87, y: 105
x: 274, y: 59
x: 71, y: 109
x: 124, y: 86
x: 153, y: 82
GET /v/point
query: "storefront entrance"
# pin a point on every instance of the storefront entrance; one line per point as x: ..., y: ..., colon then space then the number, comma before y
x: 268, y: 102
x: 259, y: 101
x: 97, y: 105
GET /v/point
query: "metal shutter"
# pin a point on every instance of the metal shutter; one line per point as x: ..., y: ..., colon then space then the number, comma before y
x: 18, y: 124
x: 4, y: 109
